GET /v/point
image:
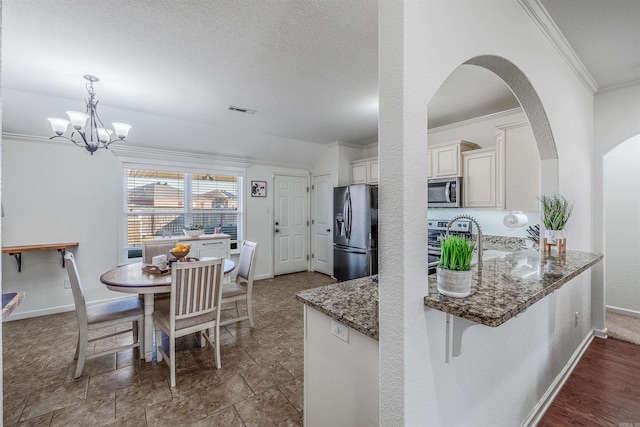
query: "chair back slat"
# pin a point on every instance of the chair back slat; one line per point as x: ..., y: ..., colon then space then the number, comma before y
x: 195, y: 287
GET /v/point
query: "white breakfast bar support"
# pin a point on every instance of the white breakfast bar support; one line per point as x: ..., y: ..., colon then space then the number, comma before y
x: 455, y: 329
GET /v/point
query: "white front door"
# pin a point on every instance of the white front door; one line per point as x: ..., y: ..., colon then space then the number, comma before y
x: 321, y: 225
x: 291, y: 228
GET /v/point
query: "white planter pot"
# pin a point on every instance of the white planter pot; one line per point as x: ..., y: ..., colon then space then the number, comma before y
x: 193, y: 233
x: 553, y: 236
x: 453, y: 283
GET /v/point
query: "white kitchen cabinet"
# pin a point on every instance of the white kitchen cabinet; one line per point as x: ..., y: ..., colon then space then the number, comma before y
x: 217, y: 246
x: 364, y: 171
x: 518, y: 180
x: 444, y: 159
x: 479, y: 180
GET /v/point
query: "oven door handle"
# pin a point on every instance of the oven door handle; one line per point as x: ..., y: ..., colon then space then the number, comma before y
x: 447, y: 192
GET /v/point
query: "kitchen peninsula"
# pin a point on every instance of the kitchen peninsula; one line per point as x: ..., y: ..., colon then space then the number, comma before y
x: 502, y: 288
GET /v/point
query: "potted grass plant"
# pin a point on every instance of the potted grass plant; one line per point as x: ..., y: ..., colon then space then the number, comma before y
x: 454, y: 270
x: 556, y: 211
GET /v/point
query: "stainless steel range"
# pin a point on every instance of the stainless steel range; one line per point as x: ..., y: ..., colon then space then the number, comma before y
x: 437, y: 228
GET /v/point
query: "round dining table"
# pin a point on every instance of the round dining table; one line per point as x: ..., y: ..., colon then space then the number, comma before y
x: 131, y: 278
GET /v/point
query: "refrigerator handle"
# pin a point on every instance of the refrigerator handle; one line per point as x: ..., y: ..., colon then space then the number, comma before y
x: 347, y: 214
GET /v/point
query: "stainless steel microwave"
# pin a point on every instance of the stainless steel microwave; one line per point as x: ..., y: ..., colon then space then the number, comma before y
x: 445, y: 192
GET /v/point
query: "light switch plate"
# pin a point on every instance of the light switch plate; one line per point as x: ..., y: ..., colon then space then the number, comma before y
x: 339, y: 330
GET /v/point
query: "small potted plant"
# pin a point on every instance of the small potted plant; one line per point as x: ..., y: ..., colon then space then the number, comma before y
x: 454, y: 270
x: 556, y: 211
x: 194, y: 230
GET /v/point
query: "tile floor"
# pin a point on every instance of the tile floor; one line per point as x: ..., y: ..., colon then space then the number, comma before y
x: 260, y: 382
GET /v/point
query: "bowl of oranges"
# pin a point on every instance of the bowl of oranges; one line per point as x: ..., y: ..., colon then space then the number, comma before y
x: 180, y: 250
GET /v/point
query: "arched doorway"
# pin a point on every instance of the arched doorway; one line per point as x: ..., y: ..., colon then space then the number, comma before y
x: 526, y: 95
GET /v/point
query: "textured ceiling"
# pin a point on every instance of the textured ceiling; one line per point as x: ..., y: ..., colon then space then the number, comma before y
x: 469, y: 92
x: 309, y: 68
x: 605, y: 34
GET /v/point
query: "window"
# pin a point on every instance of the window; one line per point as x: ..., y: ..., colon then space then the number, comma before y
x: 160, y: 203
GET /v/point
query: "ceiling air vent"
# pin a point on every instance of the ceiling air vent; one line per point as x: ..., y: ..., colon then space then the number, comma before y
x: 240, y: 109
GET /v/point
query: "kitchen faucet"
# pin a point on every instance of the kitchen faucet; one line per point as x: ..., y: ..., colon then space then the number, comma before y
x: 475, y: 221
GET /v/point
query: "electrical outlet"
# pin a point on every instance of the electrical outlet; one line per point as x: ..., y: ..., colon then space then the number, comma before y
x: 339, y: 330
x: 67, y: 284
x: 577, y: 318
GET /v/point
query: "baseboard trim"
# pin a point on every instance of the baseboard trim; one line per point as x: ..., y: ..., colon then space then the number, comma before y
x: 601, y: 333
x: 56, y: 310
x: 539, y: 410
x: 623, y: 311
x: 38, y: 313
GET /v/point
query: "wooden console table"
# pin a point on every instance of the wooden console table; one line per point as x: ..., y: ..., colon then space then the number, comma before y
x: 16, y: 251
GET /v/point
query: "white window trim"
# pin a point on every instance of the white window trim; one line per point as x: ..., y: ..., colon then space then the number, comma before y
x: 179, y: 162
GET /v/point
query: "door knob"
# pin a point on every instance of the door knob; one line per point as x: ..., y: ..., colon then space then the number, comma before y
x: 277, y: 230
x: 328, y: 230
x: 277, y: 223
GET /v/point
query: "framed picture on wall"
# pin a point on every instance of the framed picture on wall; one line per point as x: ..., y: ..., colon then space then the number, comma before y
x: 258, y: 188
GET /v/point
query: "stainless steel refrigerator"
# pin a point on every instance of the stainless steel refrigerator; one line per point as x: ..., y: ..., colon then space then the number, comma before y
x: 355, y: 231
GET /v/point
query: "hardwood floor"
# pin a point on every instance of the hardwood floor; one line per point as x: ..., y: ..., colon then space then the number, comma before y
x: 603, y: 389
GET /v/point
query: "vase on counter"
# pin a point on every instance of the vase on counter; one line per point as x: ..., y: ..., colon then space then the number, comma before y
x: 553, y: 236
x: 453, y: 283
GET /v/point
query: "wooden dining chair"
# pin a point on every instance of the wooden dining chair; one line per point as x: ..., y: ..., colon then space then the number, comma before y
x: 196, y: 295
x: 241, y: 289
x: 103, y: 315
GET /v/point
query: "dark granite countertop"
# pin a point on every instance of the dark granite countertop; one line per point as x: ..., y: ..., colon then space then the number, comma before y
x: 504, y: 287
x: 501, y: 289
x: 353, y: 303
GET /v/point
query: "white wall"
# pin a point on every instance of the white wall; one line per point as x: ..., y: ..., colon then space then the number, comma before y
x: 56, y: 192
x: 335, y: 160
x: 621, y: 177
x: 490, y: 220
x: 616, y: 119
x: 421, y: 43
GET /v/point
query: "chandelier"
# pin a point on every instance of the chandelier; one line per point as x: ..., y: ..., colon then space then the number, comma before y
x: 95, y: 135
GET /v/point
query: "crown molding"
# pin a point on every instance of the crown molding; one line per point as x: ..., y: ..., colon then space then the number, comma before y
x: 371, y: 145
x: 619, y: 86
x: 543, y: 20
x: 142, y: 154
x: 344, y: 144
x: 479, y: 119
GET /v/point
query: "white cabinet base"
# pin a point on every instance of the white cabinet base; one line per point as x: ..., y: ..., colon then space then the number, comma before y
x: 340, y: 378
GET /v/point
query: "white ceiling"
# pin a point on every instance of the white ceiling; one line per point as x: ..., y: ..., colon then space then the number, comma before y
x: 309, y: 68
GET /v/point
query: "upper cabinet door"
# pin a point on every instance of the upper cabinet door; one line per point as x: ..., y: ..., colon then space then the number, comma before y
x: 372, y: 172
x: 364, y: 171
x: 519, y: 163
x: 446, y: 161
x: 359, y: 173
x: 479, y: 182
